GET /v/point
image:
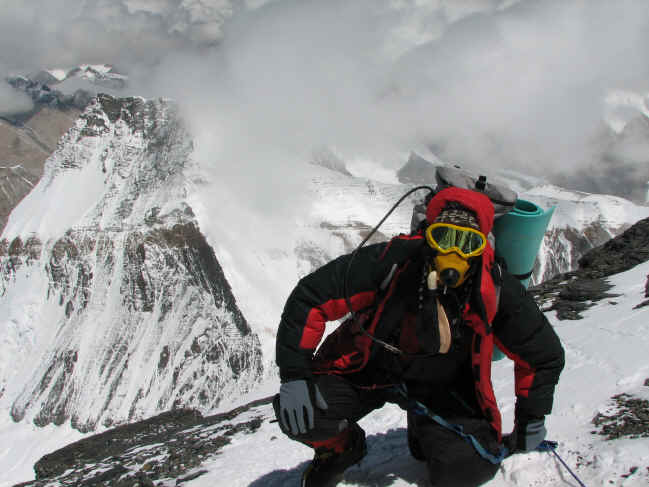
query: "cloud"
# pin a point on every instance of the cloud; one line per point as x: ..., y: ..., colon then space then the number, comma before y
x: 13, y: 101
x: 525, y: 87
x: 37, y: 34
x: 290, y: 77
x: 516, y: 85
x: 509, y: 84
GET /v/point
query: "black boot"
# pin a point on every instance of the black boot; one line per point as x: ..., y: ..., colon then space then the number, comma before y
x: 413, y: 442
x: 327, y: 467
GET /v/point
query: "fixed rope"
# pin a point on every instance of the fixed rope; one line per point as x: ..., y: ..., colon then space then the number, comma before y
x: 545, y: 446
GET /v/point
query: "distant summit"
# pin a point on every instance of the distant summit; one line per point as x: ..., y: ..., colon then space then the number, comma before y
x: 68, y: 88
x: 417, y: 171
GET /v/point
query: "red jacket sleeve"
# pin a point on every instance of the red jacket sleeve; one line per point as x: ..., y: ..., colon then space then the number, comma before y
x: 320, y: 297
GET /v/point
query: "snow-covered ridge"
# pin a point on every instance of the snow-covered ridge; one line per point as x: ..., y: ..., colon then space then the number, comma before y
x: 102, y: 76
x: 113, y: 304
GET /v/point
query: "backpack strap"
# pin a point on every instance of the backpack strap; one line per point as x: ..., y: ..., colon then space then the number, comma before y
x: 497, y: 276
x: 386, y: 282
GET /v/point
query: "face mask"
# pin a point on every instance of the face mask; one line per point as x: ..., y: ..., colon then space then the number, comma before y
x: 451, y: 269
x: 454, y: 247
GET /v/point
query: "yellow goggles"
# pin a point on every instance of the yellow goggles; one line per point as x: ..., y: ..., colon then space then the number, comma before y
x: 447, y: 238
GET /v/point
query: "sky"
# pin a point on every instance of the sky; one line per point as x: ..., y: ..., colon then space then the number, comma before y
x: 516, y: 84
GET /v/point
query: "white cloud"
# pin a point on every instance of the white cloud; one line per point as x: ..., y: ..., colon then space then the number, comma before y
x: 503, y: 83
x: 13, y: 101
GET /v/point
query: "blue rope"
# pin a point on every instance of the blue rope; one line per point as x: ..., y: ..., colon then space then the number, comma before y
x: 419, y: 408
x: 545, y: 446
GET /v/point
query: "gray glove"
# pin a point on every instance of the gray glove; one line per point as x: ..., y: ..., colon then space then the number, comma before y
x: 295, y: 405
x: 530, y: 435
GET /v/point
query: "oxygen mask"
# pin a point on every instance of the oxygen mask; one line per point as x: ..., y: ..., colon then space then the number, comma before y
x: 454, y: 246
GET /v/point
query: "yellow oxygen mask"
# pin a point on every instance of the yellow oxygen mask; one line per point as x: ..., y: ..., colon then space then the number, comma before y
x: 451, y: 269
x: 455, y: 245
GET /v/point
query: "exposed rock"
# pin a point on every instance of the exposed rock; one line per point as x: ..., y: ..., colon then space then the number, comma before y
x: 573, y: 292
x: 172, y: 445
x: 618, y: 254
x: 43, y: 94
x: 629, y: 420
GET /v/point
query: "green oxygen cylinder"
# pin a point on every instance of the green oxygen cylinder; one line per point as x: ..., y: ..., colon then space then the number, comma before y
x: 518, y: 235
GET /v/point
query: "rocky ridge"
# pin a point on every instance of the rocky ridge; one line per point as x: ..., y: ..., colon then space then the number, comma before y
x: 170, y: 447
x: 571, y: 293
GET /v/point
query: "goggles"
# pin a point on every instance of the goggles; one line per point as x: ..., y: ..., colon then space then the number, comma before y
x: 447, y: 238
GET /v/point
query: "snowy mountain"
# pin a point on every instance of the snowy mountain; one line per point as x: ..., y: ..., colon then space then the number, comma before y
x: 602, y: 431
x: 103, y: 76
x: 28, y: 136
x: 114, y: 305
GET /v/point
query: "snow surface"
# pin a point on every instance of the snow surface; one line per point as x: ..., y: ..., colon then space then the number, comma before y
x: 579, y: 210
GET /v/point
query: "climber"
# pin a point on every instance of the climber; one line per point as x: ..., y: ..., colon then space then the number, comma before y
x: 427, y: 311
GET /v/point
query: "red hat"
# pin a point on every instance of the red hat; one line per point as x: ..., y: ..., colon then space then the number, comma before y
x: 478, y: 203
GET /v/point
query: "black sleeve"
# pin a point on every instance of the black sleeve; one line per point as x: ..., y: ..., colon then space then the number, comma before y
x: 320, y: 297
x: 525, y: 335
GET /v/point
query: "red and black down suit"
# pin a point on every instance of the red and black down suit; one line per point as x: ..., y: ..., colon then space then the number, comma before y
x: 354, y: 373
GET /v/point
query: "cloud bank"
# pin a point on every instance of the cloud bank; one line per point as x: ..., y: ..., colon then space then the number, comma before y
x: 521, y: 85
x: 13, y: 101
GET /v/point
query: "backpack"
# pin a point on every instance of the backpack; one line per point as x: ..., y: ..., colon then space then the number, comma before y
x: 502, y: 197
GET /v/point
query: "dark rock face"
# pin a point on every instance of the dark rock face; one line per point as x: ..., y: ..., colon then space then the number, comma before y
x: 172, y: 445
x: 620, y: 253
x: 573, y: 292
